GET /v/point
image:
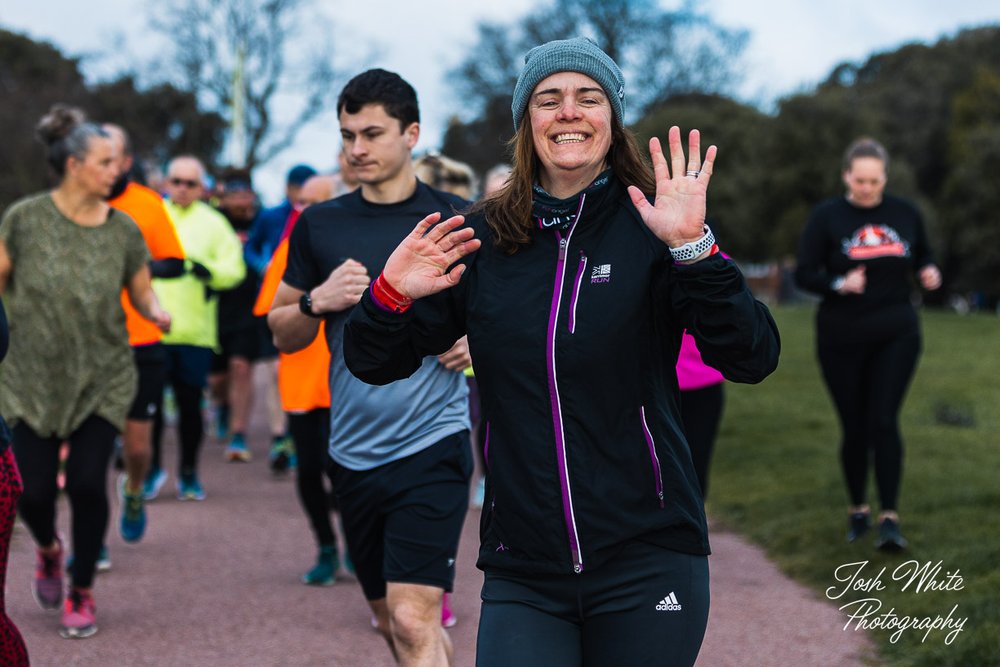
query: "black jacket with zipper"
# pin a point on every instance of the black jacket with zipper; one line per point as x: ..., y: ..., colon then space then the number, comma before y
x: 574, y: 340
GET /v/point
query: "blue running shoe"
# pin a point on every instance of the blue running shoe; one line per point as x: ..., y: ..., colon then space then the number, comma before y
x: 282, y: 456
x: 154, y: 481
x: 324, y: 571
x: 189, y: 488
x: 236, y: 450
x: 133, y: 512
x: 221, y: 422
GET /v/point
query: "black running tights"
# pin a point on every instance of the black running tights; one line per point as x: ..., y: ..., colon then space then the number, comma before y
x: 311, y: 433
x: 90, y: 449
x: 701, y: 413
x: 190, y: 426
x: 868, y: 383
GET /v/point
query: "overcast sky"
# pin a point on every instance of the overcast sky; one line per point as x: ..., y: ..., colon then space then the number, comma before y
x: 794, y: 44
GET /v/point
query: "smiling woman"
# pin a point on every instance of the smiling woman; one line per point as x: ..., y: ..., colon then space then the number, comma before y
x: 590, y: 487
x: 571, y: 126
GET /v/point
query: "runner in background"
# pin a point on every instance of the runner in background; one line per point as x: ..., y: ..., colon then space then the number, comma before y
x: 243, y: 338
x: 13, y: 652
x: 702, y: 400
x: 214, y: 263
x: 64, y: 257
x: 304, y: 388
x: 265, y: 234
x: 146, y: 208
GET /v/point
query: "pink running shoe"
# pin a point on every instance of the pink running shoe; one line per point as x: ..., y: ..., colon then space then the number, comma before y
x: 79, y: 616
x: 448, y: 619
x: 48, y: 584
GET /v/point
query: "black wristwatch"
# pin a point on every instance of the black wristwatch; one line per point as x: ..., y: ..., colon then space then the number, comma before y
x: 306, y: 305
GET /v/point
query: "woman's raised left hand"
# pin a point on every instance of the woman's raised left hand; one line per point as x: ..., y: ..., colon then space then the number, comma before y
x: 677, y: 214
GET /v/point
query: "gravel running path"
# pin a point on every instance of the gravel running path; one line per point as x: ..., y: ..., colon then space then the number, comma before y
x: 216, y: 583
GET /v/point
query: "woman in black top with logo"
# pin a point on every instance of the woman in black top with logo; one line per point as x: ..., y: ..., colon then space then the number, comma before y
x: 861, y: 252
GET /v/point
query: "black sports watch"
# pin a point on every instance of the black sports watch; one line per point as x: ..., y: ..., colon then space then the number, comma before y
x: 306, y: 305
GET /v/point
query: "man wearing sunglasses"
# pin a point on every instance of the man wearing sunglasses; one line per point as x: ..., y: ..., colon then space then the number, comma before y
x: 214, y: 263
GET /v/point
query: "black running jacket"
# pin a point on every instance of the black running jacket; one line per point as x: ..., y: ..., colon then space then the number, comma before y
x: 574, y: 340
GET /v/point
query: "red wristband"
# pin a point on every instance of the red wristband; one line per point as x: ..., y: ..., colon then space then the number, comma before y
x: 387, y: 296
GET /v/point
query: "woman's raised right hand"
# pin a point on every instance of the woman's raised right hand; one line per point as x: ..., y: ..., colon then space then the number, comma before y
x: 418, y: 267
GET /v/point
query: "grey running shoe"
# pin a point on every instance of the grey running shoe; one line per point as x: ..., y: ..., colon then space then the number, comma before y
x: 889, y: 537
x: 48, y: 584
x: 858, y: 524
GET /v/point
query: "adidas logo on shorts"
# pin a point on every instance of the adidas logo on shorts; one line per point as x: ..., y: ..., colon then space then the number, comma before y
x: 669, y: 603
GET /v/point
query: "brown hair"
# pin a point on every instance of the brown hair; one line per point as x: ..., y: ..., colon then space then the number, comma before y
x: 865, y: 147
x: 508, y: 210
x: 66, y: 133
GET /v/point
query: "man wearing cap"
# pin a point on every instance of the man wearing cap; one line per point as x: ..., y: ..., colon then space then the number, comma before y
x: 243, y: 337
x: 265, y: 234
x: 263, y: 239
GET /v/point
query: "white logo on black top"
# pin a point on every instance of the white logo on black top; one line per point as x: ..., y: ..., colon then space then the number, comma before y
x: 600, y: 274
x: 669, y: 603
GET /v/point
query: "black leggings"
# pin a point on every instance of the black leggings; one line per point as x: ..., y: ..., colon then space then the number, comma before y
x: 311, y: 433
x: 868, y: 383
x: 90, y: 449
x: 190, y: 426
x: 701, y: 412
x: 647, y: 606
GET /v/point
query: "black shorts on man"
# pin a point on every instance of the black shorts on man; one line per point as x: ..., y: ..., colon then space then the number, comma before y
x: 151, y: 365
x: 403, y: 520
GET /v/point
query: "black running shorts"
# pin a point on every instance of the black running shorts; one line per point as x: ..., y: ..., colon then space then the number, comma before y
x: 403, y: 520
x: 151, y: 364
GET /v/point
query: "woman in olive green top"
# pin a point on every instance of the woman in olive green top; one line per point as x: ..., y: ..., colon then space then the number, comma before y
x: 64, y: 257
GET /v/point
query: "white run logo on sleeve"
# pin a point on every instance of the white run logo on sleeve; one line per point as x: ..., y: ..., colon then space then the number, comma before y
x: 669, y: 603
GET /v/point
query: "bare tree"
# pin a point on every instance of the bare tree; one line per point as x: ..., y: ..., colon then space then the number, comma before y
x: 661, y: 52
x: 234, y: 55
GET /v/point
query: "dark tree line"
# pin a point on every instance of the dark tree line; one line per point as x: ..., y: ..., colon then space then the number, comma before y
x: 162, y: 120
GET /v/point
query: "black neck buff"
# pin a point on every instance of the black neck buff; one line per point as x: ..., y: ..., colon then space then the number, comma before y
x: 552, y: 213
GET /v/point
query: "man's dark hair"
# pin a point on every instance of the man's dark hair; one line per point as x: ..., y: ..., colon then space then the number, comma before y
x: 234, y: 179
x: 377, y: 86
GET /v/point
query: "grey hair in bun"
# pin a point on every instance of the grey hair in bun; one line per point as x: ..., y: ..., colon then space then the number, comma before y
x: 65, y: 132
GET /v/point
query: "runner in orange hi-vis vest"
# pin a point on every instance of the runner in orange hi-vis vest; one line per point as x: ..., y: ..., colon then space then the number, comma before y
x: 303, y: 384
x: 302, y: 376
x: 146, y: 208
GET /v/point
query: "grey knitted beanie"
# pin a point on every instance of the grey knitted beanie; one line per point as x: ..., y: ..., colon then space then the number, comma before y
x: 569, y: 55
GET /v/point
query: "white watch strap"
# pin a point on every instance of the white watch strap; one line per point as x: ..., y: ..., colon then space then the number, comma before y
x: 689, y: 251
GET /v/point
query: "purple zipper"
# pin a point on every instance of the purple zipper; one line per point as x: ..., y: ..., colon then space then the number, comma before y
x: 486, y: 447
x: 550, y: 353
x: 580, y: 270
x: 652, y: 455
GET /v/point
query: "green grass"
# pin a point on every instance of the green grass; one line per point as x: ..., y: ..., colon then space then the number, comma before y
x: 776, y: 478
